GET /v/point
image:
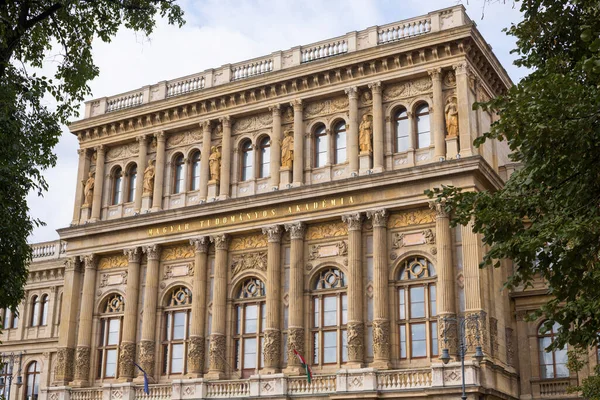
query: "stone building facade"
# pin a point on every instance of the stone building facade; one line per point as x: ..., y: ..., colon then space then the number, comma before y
x: 226, y: 219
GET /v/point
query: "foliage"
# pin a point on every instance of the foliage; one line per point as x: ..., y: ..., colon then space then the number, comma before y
x: 30, y: 30
x: 546, y: 218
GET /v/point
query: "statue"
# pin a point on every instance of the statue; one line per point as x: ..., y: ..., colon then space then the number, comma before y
x: 365, y: 134
x: 149, y: 174
x: 214, y: 163
x: 452, y: 118
x: 287, y: 149
x: 88, y: 189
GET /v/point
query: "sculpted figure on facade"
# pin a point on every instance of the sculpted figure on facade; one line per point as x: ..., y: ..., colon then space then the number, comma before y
x: 287, y: 149
x: 146, y: 350
x: 88, y: 189
x: 149, y: 174
x: 355, y: 341
x: 272, y: 347
x: 366, y: 134
x: 126, y: 359
x: 214, y: 163
x: 381, y: 339
x: 82, y: 363
x: 217, y: 352
x: 452, y: 118
x: 196, y: 354
x: 63, y: 371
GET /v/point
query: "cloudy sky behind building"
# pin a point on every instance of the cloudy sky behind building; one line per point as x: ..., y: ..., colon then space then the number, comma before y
x: 228, y: 31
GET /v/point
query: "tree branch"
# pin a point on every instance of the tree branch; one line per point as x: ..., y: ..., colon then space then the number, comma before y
x: 43, y: 15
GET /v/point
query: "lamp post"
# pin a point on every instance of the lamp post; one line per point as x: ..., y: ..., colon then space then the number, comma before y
x: 462, y: 345
x: 8, y: 361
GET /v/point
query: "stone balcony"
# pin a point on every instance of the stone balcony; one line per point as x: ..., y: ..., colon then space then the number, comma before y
x: 352, y: 383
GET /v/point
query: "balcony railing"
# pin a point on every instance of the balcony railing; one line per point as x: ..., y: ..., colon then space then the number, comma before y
x: 48, y: 250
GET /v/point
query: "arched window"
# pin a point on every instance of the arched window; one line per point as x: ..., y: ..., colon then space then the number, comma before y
x: 5, y: 374
x: 247, y: 161
x: 176, y: 332
x: 329, y: 318
x: 178, y: 174
x: 44, y: 316
x: 250, y: 314
x: 35, y: 311
x: 195, y: 171
x: 131, y: 182
x: 321, y: 146
x: 11, y: 320
x: 116, y: 189
x: 553, y: 364
x: 340, y: 143
x: 32, y: 381
x: 110, y: 336
x: 417, y: 310
x: 265, y: 157
x: 423, y: 127
x: 402, y: 130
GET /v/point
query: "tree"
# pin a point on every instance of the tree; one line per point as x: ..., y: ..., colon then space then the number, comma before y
x: 29, y: 129
x: 547, y: 216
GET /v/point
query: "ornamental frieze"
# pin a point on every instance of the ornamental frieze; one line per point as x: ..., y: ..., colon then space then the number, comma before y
x: 184, y: 138
x: 412, y: 217
x: 407, y: 89
x: 248, y: 242
x: 253, y: 123
x: 327, y: 230
x: 328, y: 250
x: 247, y: 261
x: 326, y: 107
x: 120, y: 152
x: 110, y: 262
x: 179, y: 252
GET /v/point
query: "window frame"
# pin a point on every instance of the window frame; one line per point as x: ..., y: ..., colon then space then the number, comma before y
x: 113, y: 309
x: 542, y: 351
x: 195, y: 164
x: 264, y: 147
x: 397, y: 119
x: 116, y: 197
x: 340, y: 127
x: 320, y: 132
x: 34, y: 319
x: 244, y: 300
x: 131, y: 182
x: 175, y: 306
x: 178, y: 185
x: 418, y: 123
x: 34, y: 386
x: 44, y: 307
x: 247, y: 172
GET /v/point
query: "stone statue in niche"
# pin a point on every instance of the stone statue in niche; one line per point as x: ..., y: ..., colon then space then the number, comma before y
x: 149, y: 174
x: 366, y: 134
x: 287, y: 149
x: 214, y: 163
x: 452, y: 117
x: 88, y: 189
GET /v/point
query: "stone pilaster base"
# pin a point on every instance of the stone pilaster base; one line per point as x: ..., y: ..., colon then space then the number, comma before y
x: 196, y: 356
x: 451, y: 147
x: 126, y: 359
x: 213, y: 190
x: 356, y: 352
x: 146, y: 203
x: 217, y: 356
x: 146, y: 350
x: 82, y: 367
x: 448, y: 334
x: 272, y: 351
x: 285, y: 177
x: 85, y: 213
x: 381, y: 344
x: 364, y: 162
x: 295, y: 342
x: 65, y: 360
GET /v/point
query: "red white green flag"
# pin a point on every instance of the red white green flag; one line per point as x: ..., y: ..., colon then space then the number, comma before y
x: 305, y: 365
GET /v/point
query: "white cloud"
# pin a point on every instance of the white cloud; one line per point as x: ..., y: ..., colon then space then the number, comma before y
x: 228, y: 31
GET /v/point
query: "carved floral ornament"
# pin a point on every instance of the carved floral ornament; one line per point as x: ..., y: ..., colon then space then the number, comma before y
x: 110, y: 262
x: 407, y: 89
x: 411, y: 217
x: 326, y: 107
x: 178, y: 252
x: 326, y: 230
x: 249, y: 261
x: 184, y: 138
x: 254, y: 241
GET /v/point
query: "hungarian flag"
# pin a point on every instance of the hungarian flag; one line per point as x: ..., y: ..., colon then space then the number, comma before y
x: 305, y: 365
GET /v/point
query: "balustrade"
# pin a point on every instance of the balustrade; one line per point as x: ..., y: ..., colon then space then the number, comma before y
x: 225, y: 389
x: 155, y: 392
x: 403, y: 30
x: 48, y: 249
x: 86, y: 394
x: 324, y: 50
x: 554, y: 388
x: 186, y: 85
x: 394, y: 380
x: 125, y: 101
x: 251, y: 69
x: 319, y: 384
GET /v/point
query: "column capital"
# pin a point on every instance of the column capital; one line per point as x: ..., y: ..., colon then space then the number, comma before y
x: 226, y: 121
x: 273, y: 233
x: 152, y: 251
x: 205, y: 125
x: 200, y: 244
x: 435, y: 73
x: 142, y: 139
x: 275, y: 109
x: 297, y: 104
x: 354, y: 221
x: 296, y: 230
x: 375, y: 86
x: 221, y: 241
x: 89, y: 261
x: 71, y: 264
x: 81, y: 152
x: 352, y: 92
x: 379, y: 217
x: 161, y: 136
x: 100, y: 148
x: 461, y: 68
x: 133, y: 255
x: 439, y: 206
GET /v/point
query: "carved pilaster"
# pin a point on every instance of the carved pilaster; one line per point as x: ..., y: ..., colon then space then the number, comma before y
x: 476, y: 331
x: 510, y: 347
x: 295, y: 342
x: 448, y: 334
x: 296, y: 230
x: 146, y: 356
x: 217, y: 352
x: 272, y: 347
x: 354, y: 221
x: 381, y: 339
x: 356, y: 336
x: 126, y: 359
x: 72, y: 264
x: 379, y: 217
x: 461, y: 68
x: 196, y: 354
x: 273, y: 233
x: 200, y: 244
x: 82, y: 364
x: 65, y: 359
x: 152, y: 252
x: 226, y: 121
x: 89, y: 261
x: 221, y: 241
x: 134, y: 255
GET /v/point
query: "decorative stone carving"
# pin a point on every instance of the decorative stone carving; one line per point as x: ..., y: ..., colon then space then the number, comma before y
x: 71, y: 264
x: 252, y: 123
x: 494, y: 336
x: 184, y: 138
x: 173, y: 271
x: 366, y: 98
x: 146, y: 356
x: 126, y: 359
x: 327, y: 230
x: 200, y: 244
x: 397, y: 240
x: 248, y: 242
x: 121, y: 152
x: 381, y: 339
x: 355, y: 341
x: 438, y: 207
x: 476, y: 330
x: 378, y: 217
x: 413, y: 217
x: 152, y: 252
x: 272, y: 347
x: 82, y: 363
x: 273, y: 233
x: 448, y: 334
x: 407, y: 89
x: 295, y: 342
x: 149, y: 174
x: 65, y: 359
x: 90, y: 261
x: 326, y: 107
x: 510, y: 347
x: 354, y: 221
x: 429, y: 236
x: 296, y: 230
x: 451, y: 113
x: 449, y: 79
x: 328, y: 250
x: 113, y: 279
x: 217, y: 352
x: 88, y: 190
x: 248, y: 261
x: 287, y: 149
x: 196, y: 354
x: 179, y: 252
x: 365, y: 137
x: 214, y: 163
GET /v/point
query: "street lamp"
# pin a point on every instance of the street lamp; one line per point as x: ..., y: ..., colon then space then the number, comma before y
x: 8, y: 360
x: 462, y: 347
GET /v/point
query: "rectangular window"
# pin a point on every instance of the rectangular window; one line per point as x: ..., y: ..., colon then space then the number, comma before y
x: 177, y: 359
x: 238, y: 323
x: 316, y: 348
x: 546, y: 364
x: 317, y: 320
x: 285, y: 348
x: 432, y: 301
x: 402, y: 301
x: 402, y: 341
x: 434, y: 339
x: 322, y: 144
x: 179, y: 325
x: 329, y: 347
x: 344, y: 346
x: 251, y: 319
x: 340, y: 151
x: 113, y: 331
x: 263, y: 313
x: 402, y: 135
x: 561, y: 363
x: 344, y: 309
x: 418, y: 340
x: 111, y: 363
x: 417, y: 302
x: 330, y: 311
x: 249, y: 353
x: 266, y: 163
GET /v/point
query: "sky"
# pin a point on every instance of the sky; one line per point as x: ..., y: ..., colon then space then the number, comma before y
x: 219, y: 32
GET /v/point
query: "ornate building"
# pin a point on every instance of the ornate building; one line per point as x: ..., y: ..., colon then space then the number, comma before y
x: 227, y: 218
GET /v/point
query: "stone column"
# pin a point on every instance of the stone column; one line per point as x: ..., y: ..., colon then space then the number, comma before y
x: 352, y: 93
x: 204, y: 169
x: 139, y: 182
x: 147, y: 344
x: 378, y: 135
x: 298, y: 164
x: 159, y: 178
x: 446, y: 303
x: 98, y: 184
x: 464, y: 109
x: 272, y: 344
x: 82, y: 169
x: 219, y: 309
x: 275, y: 147
x: 296, y: 293
x: 65, y: 355
x: 84, y: 335
x: 439, y: 139
x: 356, y: 325
x: 196, y: 345
x: 130, y: 319
x: 225, y: 159
x: 381, y: 314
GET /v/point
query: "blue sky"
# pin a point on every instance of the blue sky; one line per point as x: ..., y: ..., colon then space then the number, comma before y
x: 227, y: 31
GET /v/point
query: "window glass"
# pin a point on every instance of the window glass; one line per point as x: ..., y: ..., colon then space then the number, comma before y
x: 195, y: 171
x: 344, y: 346
x: 113, y: 331
x: 321, y: 145
x: 417, y: 302
x: 329, y: 347
x: 432, y: 301
x: 402, y: 341
x: 401, y: 296
x: 418, y: 339
x: 251, y: 319
x: 35, y: 316
x: 178, y: 188
x: 132, y: 183
x: 44, y: 310
x: 179, y: 325
x: 329, y: 311
x: 177, y: 359
x: 423, y: 127
x: 111, y: 363
x: 117, y: 181
x: 434, y: 339
x: 402, y: 131
x: 265, y: 157
x: 340, y: 143
x: 247, y: 161
x: 249, y: 353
